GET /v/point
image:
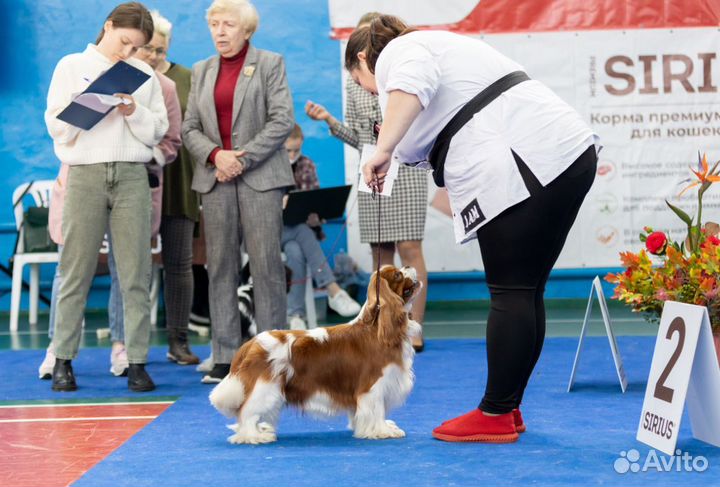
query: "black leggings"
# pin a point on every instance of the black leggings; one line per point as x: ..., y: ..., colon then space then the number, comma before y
x: 519, y: 248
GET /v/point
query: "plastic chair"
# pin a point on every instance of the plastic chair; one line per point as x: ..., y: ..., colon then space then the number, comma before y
x: 40, y: 192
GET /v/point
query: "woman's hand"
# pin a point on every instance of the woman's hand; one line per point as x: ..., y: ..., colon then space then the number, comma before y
x: 375, y: 170
x: 126, y: 109
x: 228, y: 165
x: 316, y: 111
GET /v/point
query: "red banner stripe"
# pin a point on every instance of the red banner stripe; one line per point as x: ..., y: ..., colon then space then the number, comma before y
x: 501, y: 16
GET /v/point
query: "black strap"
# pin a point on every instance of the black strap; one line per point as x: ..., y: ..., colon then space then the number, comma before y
x: 439, y: 150
x: 27, y: 190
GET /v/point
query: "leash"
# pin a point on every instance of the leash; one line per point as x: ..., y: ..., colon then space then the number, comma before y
x: 377, y: 269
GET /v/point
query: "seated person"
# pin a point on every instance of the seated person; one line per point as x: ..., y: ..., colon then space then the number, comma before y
x: 302, y: 248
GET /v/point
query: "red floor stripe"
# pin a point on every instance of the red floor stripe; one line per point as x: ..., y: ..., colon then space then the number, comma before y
x: 55, y: 454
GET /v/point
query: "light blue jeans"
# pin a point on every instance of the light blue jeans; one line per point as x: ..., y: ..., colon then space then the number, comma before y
x: 301, y: 249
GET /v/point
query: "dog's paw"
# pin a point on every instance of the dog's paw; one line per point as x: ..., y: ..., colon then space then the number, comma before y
x: 252, y: 439
x: 396, y: 431
x: 232, y: 427
x: 386, y: 430
x: 265, y: 428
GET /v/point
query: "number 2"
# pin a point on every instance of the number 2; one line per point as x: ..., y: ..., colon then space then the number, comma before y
x: 662, y: 391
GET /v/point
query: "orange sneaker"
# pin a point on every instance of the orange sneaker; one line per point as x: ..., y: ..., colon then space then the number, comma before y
x: 477, y: 427
x: 519, y: 423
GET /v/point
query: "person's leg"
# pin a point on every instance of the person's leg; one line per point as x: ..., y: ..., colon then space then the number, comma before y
x: 85, y: 218
x: 222, y: 241
x: 295, y: 260
x: 261, y: 220
x: 519, y: 248
x: 581, y: 175
x: 118, y: 354
x: 130, y: 227
x: 115, y: 300
x: 322, y: 274
x: 48, y: 363
x: 57, y: 280
x: 177, y: 238
x: 386, y: 251
x: 411, y: 255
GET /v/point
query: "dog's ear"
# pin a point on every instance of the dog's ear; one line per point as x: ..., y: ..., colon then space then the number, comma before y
x: 390, y: 316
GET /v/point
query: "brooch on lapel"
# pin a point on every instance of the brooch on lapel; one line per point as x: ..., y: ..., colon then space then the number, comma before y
x: 249, y: 70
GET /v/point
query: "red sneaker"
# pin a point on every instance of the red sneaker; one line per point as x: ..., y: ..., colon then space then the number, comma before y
x: 477, y: 427
x: 519, y: 424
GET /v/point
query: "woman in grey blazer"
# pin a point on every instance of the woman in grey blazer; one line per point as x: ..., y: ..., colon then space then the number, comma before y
x: 238, y: 116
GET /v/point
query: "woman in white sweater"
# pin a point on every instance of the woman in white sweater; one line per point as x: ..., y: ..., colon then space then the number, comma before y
x: 107, y: 184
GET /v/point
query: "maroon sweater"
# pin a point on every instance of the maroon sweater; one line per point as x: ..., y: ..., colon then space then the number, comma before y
x: 224, y: 93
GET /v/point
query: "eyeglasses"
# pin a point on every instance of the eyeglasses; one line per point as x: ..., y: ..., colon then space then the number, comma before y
x: 159, y: 51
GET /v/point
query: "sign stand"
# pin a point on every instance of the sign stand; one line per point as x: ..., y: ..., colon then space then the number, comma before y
x: 597, y: 289
x: 684, y: 370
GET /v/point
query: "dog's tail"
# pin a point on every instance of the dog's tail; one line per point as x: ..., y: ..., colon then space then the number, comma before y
x: 228, y: 396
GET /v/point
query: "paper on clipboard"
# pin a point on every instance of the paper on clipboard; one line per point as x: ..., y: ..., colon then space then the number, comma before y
x: 99, y: 102
x: 368, y: 151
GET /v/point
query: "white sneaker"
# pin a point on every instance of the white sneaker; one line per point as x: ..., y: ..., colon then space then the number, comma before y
x: 206, y: 365
x: 46, y: 367
x: 343, y: 304
x: 118, y: 360
x: 297, y: 323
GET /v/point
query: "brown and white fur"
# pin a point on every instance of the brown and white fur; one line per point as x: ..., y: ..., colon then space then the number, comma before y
x: 363, y: 368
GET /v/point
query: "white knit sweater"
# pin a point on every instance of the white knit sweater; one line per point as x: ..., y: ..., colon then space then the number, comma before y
x: 115, y: 137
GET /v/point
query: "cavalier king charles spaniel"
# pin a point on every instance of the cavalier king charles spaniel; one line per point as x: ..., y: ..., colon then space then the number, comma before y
x: 363, y: 368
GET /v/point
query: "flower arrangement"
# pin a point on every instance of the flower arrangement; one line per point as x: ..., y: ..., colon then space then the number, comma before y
x: 688, y: 271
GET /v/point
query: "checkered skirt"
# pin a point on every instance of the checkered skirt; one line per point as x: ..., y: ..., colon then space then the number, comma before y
x: 402, y: 215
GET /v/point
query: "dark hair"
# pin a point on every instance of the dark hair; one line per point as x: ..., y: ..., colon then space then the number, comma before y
x: 130, y: 15
x: 372, y: 40
x: 296, y: 133
x: 367, y: 18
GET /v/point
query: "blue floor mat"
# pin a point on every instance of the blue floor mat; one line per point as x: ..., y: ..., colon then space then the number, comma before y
x: 572, y: 438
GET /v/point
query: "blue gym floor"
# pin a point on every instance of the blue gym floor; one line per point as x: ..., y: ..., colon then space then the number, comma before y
x: 571, y: 439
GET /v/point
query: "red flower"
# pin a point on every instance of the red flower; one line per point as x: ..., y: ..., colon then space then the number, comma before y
x: 714, y: 240
x: 656, y: 243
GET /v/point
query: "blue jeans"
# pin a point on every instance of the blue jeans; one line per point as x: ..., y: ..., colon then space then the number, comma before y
x: 57, y: 280
x: 115, y: 301
x: 301, y: 249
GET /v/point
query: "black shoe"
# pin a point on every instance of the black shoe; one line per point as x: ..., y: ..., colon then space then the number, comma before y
x: 63, y: 378
x: 217, y: 374
x: 179, y: 349
x: 138, y: 379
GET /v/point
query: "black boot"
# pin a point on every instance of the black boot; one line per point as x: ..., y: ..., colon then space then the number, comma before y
x: 179, y: 349
x: 63, y: 378
x: 138, y: 379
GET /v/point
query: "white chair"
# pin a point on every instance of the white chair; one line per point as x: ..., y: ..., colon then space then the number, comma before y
x: 40, y: 192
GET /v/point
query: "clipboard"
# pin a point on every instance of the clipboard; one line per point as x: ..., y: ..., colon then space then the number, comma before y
x: 120, y: 78
x: 328, y: 203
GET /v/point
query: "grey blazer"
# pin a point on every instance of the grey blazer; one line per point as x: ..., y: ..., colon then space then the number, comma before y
x: 262, y: 120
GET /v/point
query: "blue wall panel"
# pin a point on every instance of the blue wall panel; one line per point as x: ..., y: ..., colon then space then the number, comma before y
x: 35, y: 34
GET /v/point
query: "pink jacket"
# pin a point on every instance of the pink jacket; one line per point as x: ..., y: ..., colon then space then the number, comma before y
x: 164, y: 153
